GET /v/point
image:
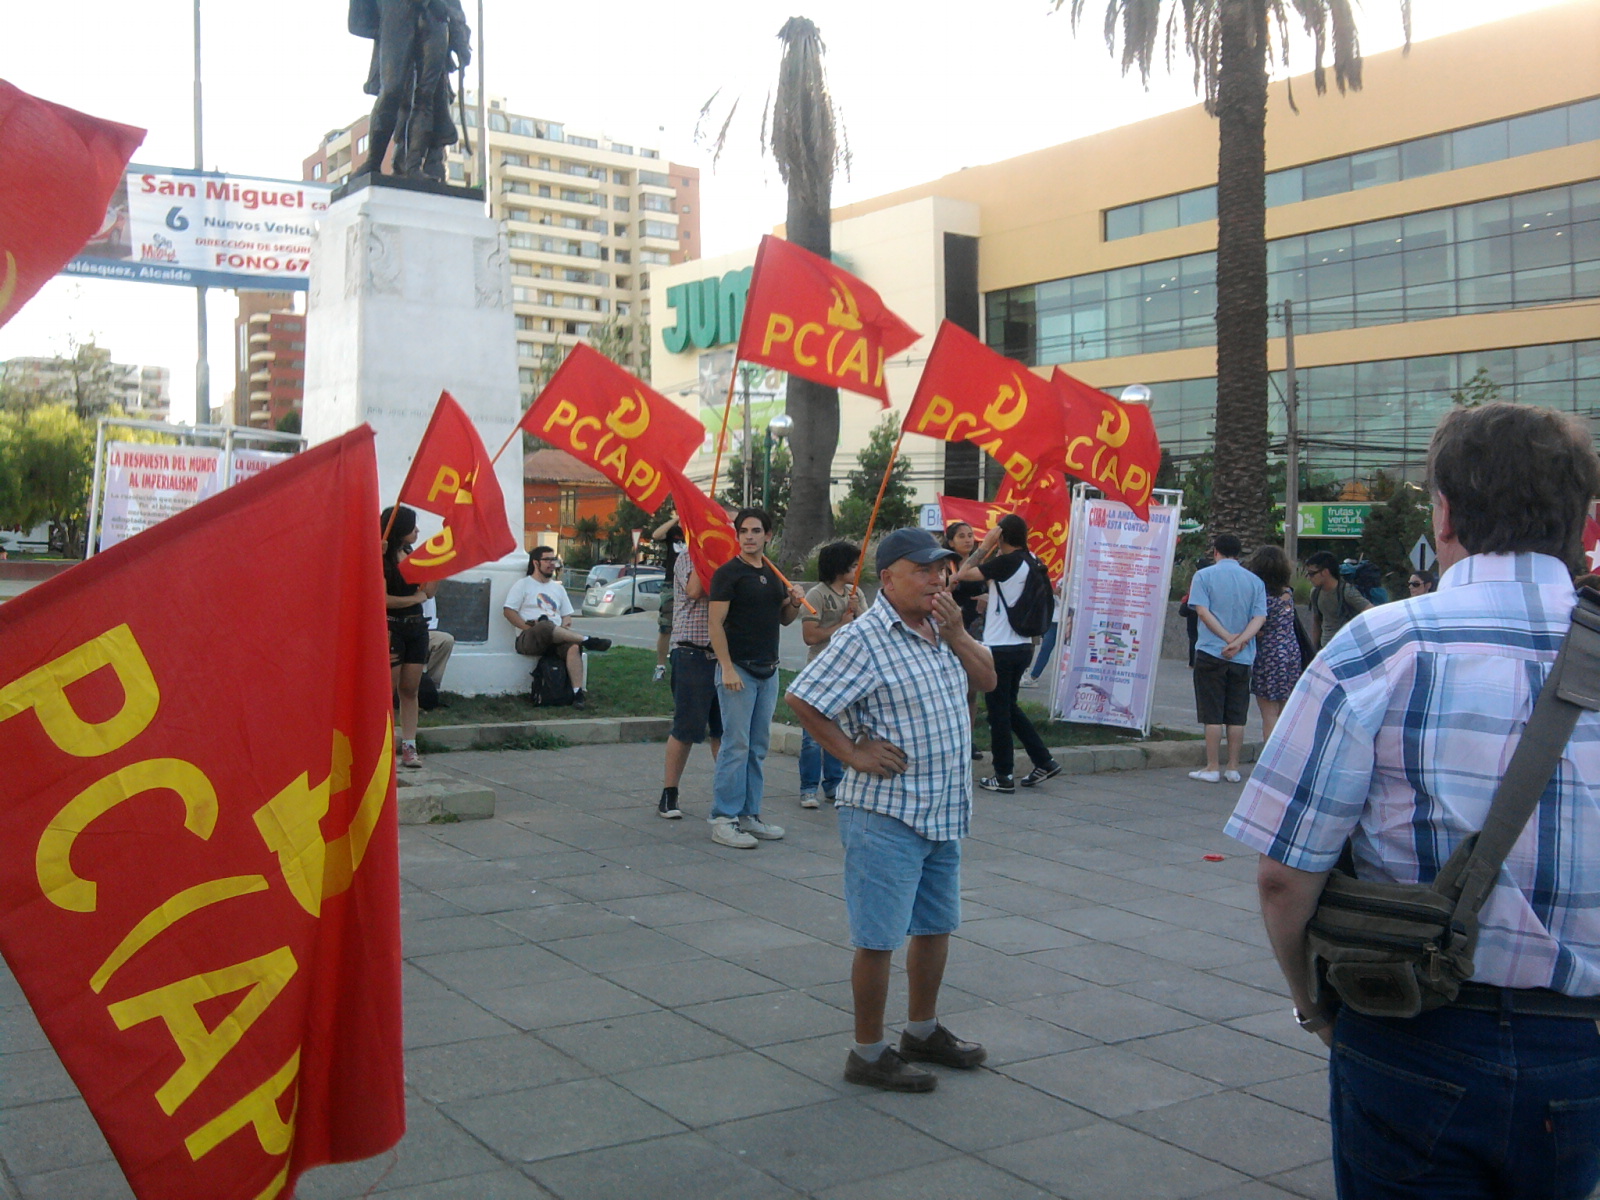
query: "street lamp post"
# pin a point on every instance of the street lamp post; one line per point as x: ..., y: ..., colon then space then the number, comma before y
x: 777, y: 430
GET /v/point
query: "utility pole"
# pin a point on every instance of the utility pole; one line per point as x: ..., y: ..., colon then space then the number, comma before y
x: 1291, y: 442
x: 202, y: 366
x: 747, y: 447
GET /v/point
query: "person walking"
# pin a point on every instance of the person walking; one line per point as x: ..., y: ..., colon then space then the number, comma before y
x: 887, y: 698
x: 748, y: 604
x: 836, y: 604
x: 1232, y: 606
x: 1277, y: 665
x: 696, y: 716
x: 1334, y: 600
x: 1391, y: 749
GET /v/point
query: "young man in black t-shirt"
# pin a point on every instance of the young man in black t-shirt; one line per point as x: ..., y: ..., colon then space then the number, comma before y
x: 748, y: 604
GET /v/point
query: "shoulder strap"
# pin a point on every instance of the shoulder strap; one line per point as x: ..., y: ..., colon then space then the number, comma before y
x: 1571, y: 688
x: 1000, y: 591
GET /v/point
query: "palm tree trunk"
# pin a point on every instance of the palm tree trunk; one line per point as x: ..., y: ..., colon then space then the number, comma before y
x: 1240, y: 502
x: 814, y: 408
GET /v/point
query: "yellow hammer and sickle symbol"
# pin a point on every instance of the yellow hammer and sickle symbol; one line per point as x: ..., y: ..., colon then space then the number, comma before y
x: 8, y: 286
x: 618, y: 423
x: 437, y: 550
x: 1116, y: 416
x: 1001, y: 417
x: 844, y: 312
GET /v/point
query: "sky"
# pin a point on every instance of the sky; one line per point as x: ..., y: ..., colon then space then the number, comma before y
x: 922, y: 90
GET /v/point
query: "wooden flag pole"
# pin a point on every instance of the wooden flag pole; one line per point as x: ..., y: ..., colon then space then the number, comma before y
x: 784, y: 580
x: 515, y: 429
x: 722, y: 436
x: 866, y: 541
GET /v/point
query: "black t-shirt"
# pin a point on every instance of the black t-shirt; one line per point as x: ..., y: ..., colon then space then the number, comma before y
x: 966, y: 594
x: 755, y: 610
x: 396, y: 584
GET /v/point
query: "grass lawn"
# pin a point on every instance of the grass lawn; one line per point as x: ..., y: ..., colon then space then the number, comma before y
x: 620, y: 686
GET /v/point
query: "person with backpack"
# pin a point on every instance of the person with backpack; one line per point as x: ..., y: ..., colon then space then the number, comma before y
x: 1334, y: 599
x: 1020, y: 603
x: 1232, y: 606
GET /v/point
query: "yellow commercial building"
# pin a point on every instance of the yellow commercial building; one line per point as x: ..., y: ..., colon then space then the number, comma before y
x: 1442, y: 222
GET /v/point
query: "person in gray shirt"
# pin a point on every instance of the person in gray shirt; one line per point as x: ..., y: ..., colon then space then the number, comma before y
x: 1333, y: 600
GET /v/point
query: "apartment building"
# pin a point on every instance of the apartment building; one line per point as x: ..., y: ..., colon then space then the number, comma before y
x: 92, y: 383
x: 269, y: 359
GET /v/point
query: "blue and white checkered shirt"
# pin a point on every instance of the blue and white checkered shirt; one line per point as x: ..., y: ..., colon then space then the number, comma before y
x: 876, y: 676
x: 1396, y: 737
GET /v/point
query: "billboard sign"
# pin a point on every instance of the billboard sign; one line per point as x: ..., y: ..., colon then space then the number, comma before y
x: 145, y: 484
x: 206, y: 229
x: 1333, y: 520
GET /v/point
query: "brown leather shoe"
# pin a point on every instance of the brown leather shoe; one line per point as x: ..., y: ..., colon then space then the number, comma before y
x: 891, y: 1073
x: 942, y: 1047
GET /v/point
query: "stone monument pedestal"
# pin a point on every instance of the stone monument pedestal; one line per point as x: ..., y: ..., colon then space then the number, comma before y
x: 410, y: 296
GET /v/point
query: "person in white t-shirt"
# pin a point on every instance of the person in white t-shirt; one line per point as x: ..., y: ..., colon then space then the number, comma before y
x: 539, y: 608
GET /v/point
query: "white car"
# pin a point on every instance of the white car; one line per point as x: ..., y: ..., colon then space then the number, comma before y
x: 632, y: 593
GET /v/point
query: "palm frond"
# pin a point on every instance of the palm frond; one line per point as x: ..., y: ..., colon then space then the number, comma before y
x: 804, y: 138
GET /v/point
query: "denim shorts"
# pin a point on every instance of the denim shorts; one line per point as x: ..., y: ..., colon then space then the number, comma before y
x: 896, y: 882
x: 694, y: 695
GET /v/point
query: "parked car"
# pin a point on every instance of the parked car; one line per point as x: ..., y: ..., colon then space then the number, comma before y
x: 610, y: 572
x: 634, y: 592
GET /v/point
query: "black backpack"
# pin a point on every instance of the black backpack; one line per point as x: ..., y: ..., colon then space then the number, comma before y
x: 1030, y: 616
x: 552, y: 686
x: 1365, y: 577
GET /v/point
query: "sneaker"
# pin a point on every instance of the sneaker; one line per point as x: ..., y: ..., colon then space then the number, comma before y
x: 725, y: 833
x: 890, y: 1073
x: 1231, y: 776
x: 1004, y: 784
x: 977, y: 755
x: 597, y: 644
x: 830, y: 794
x: 580, y: 699
x: 660, y: 673
x: 809, y: 799
x: 1039, y: 774
x: 1206, y: 776
x: 668, y: 806
x: 1030, y: 681
x: 942, y: 1047
x: 756, y: 827
x: 409, y: 756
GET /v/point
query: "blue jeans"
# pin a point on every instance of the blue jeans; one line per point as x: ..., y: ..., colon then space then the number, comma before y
x: 1456, y: 1104
x: 816, y: 764
x: 746, y: 731
x: 897, y: 883
x: 1041, y: 663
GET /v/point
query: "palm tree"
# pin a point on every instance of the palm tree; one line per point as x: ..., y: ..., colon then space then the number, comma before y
x: 1230, y: 44
x: 804, y: 139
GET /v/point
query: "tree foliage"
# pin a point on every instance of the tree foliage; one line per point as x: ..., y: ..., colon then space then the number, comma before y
x: 732, y: 493
x: 897, y: 511
x: 46, y: 465
x: 1391, y: 530
x: 1480, y: 389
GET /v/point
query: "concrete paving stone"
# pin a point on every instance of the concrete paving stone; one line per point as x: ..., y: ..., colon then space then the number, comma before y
x: 442, y: 1017
x: 612, y: 882
x: 803, y: 966
x: 1306, y: 1093
x: 1100, y: 1160
x: 471, y: 972
x: 462, y: 870
x: 423, y: 938
x: 1107, y: 1015
x: 1103, y: 860
x: 646, y: 856
x: 1225, y: 1055
x: 1020, y: 865
x: 562, y: 1002
x: 1102, y: 963
x: 555, y: 864
x: 1204, y: 995
x: 953, y: 1179
x: 1112, y: 1081
x: 37, y: 1139
x: 1242, y: 896
x: 557, y: 921
x: 670, y: 908
x: 418, y: 905
x: 800, y: 864
x: 1254, y: 1190
x: 1017, y: 935
x: 680, y: 1167
x: 651, y: 1039
x: 1278, y: 1026
x: 1010, y: 1036
x: 676, y: 985
x: 21, y: 1032
x: 1241, y: 1131
x: 823, y: 1145
x: 495, y: 1185
x: 512, y: 895
x: 716, y: 874
x: 1196, y: 948
x: 761, y: 1020
x: 1314, y: 1182
x: 1182, y: 878
x: 709, y: 1091
x: 11, y: 993
x: 30, y: 1076
x: 1003, y: 978
x: 566, y: 1118
x: 433, y: 1149
x: 1104, y: 923
x: 737, y: 936
x: 1259, y: 973
x: 977, y: 1110
x: 103, y: 1180
x: 1019, y: 899
x: 633, y: 947
x: 953, y: 1002
x: 487, y: 1066
x: 582, y: 832
x: 782, y: 901
x: 819, y: 1058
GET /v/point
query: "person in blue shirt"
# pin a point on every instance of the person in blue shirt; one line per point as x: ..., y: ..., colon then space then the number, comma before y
x: 1232, y: 605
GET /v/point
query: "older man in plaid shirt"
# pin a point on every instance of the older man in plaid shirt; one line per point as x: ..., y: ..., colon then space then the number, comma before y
x: 898, y: 679
x: 1396, y: 738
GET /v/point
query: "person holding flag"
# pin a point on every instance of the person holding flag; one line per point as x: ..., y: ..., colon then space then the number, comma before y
x: 408, y: 628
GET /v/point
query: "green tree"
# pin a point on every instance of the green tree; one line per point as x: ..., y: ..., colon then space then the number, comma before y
x: 289, y: 422
x: 46, y: 465
x: 1230, y: 44
x: 732, y: 493
x: 627, y: 517
x: 1391, y: 530
x: 897, y: 511
x: 1480, y: 389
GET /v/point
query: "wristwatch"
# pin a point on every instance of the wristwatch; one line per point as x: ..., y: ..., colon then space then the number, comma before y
x: 1312, y: 1022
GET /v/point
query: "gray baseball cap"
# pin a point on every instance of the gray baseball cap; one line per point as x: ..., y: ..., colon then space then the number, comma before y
x: 917, y: 545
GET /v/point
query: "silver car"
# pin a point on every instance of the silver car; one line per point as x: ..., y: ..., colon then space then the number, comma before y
x: 630, y: 594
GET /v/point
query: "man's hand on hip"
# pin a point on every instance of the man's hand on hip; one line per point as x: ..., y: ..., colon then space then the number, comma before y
x: 872, y: 756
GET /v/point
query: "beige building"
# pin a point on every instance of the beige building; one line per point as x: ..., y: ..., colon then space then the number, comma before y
x: 588, y: 219
x: 1442, y: 222
x: 92, y: 383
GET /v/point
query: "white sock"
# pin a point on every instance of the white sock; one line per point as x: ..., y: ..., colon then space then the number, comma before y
x: 870, y: 1053
x: 922, y: 1030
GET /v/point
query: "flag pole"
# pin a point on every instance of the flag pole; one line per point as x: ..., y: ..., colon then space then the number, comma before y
x: 722, y: 436
x: 783, y: 579
x: 888, y: 469
x: 515, y: 429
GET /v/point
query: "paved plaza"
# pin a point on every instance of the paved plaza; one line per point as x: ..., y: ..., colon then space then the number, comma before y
x: 602, y: 1005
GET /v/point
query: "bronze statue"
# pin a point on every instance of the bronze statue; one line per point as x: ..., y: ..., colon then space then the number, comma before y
x: 413, y: 44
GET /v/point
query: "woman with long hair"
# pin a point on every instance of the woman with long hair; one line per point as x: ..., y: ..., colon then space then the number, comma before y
x: 1421, y: 583
x: 971, y: 598
x: 1277, y: 664
x: 408, y: 628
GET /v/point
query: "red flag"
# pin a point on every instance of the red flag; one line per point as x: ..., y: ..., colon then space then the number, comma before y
x: 201, y: 894
x: 1047, y: 508
x: 452, y: 477
x: 707, y: 531
x: 1111, y: 445
x: 976, y: 513
x: 601, y: 415
x: 810, y: 318
x: 968, y: 393
x: 58, y: 169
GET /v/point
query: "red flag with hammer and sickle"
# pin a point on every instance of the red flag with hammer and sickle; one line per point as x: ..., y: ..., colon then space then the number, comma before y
x: 1047, y: 508
x: 452, y: 477
x: 810, y: 318
x: 968, y: 393
x: 602, y: 415
x: 58, y: 170
x: 201, y: 890
x: 707, y: 532
x: 1111, y: 445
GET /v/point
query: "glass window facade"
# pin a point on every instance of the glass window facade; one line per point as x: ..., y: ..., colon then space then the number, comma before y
x: 1569, y: 125
x: 1514, y: 252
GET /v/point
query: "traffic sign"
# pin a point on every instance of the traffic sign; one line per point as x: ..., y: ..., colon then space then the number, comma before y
x: 1422, y: 555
